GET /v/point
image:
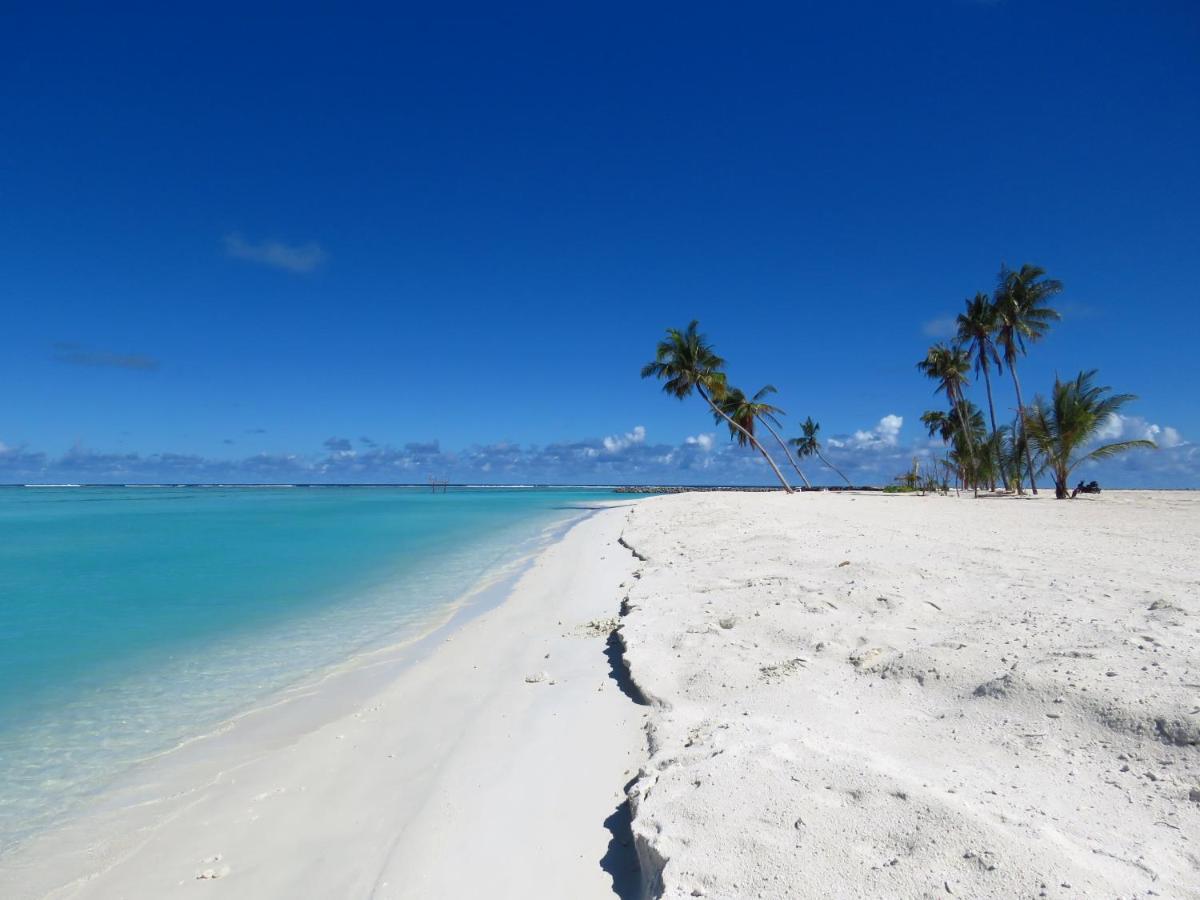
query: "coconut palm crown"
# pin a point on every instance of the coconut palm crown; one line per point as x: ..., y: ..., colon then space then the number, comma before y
x: 685, y: 362
x: 1023, y: 308
x: 1063, y: 427
x: 741, y: 413
x: 809, y: 445
x: 948, y: 366
x: 941, y: 423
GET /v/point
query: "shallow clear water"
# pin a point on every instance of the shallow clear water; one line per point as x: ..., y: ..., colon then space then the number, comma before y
x: 134, y: 618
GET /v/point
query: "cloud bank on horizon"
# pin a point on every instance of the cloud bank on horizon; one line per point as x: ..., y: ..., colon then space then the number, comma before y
x: 872, y: 455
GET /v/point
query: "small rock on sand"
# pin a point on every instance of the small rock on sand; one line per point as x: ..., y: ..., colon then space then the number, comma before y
x: 997, y: 687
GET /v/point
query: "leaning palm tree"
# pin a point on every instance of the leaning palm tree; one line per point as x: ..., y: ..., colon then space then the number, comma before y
x: 1063, y: 427
x: 976, y: 331
x: 685, y: 362
x: 948, y: 367
x: 747, y: 411
x: 1023, y: 317
x: 807, y: 445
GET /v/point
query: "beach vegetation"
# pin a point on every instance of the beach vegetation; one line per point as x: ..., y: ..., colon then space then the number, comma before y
x: 921, y: 479
x: 1063, y: 427
x: 747, y: 412
x: 994, y: 332
x: 686, y: 363
x: 948, y: 367
x: 976, y: 331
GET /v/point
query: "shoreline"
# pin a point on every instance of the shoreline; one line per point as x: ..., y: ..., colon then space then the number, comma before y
x: 101, y: 852
x: 311, y: 699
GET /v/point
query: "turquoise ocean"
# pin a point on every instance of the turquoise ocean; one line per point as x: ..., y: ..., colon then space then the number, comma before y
x: 133, y: 619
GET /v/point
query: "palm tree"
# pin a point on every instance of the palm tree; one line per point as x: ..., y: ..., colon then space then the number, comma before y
x: 686, y: 362
x: 949, y: 427
x: 736, y: 407
x: 1015, y: 450
x: 1023, y: 317
x: 1060, y: 428
x: 807, y: 445
x: 976, y: 328
x: 948, y: 367
x: 940, y: 423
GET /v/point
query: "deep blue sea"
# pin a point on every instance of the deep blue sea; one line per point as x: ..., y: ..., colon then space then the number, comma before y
x: 132, y: 619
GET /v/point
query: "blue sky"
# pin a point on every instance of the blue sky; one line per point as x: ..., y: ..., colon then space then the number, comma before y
x: 312, y: 245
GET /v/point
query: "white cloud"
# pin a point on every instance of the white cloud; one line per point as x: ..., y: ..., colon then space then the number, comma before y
x: 889, y: 428
x: 944, y: 327
x: 1111, y: 428
x: 703, y: 441
x: 616, y: 443
x: 885, y: 434
x: 291, y: 257
x: 1134, y: 428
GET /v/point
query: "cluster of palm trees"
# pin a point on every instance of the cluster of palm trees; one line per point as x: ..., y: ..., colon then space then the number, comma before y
x: 994, y: 332
x: 686, y: 363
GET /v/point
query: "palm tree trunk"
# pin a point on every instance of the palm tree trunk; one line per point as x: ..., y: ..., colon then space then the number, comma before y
x: 962, y: 418
x: 987, y: 381
x: 1012, y: 367
x: 786, y: 452
x: 835, y: 468
x: 753, y: 440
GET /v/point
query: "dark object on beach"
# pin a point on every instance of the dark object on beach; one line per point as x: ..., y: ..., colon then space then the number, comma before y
x: 1092, y: 487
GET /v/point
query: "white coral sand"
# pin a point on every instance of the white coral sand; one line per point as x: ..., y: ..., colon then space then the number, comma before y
x: 901, y: 696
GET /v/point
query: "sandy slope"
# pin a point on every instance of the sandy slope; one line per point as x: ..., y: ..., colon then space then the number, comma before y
x: 459, y: 779
x: 885, y: 696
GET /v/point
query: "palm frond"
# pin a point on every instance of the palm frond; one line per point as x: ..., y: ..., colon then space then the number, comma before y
x: 1110, y: 450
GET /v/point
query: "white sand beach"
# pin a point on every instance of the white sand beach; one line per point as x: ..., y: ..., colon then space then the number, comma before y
x: 903, y: 696
x: 852, y: 695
